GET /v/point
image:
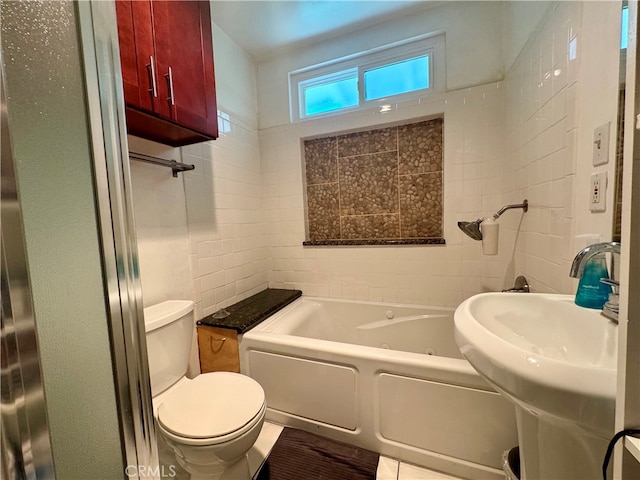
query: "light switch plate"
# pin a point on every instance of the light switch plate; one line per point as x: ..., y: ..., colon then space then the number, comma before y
x: 598, y: 192
x: 601, y: 145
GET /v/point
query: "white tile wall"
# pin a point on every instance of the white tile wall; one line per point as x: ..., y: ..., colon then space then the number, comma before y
x: 550, y: 117
x: 201, y: 235
x: 227, y: 251
x: 237, y: 223
x: 438, y: 275
x: 161, y: 226
x: 527, y: 137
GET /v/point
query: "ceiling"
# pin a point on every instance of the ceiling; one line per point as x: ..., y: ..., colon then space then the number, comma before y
x: 263, y: 27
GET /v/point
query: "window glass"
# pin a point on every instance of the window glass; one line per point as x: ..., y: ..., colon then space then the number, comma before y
x: 397, y: 78
x: 331, y: 96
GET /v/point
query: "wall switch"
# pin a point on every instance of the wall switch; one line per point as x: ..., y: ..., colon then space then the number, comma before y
x: 601, y: 145
x: 598, y: 192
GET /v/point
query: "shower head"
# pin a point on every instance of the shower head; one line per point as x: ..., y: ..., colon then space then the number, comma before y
x: 472, y: 229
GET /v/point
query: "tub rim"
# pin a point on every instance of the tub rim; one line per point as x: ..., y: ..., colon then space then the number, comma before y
x: 262, y: 326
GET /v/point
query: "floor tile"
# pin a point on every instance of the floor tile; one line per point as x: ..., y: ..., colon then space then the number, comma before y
x: 265, y: 442
x: 387, y: 469
x: 412, y: 472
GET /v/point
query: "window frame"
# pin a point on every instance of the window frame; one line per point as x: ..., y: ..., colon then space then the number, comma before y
x: 431, y: 45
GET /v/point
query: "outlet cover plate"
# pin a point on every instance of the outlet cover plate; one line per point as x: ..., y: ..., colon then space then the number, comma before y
x: 598, y: 192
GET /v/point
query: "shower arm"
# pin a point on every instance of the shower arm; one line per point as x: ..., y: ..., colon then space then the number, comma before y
x: 524, y: 206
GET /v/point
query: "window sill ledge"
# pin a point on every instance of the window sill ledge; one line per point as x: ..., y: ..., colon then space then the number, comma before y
x: 374, y: 242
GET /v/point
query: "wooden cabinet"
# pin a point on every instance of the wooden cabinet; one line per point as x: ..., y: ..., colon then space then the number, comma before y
x: 218, y: 349
x: 166, y: 53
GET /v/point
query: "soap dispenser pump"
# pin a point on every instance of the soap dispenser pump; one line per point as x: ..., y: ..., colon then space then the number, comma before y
x: 592, y: 293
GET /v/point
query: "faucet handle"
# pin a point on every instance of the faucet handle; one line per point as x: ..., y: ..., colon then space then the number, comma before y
x: 521, y: 286
x: 611, y: 308
x: 614, y: 283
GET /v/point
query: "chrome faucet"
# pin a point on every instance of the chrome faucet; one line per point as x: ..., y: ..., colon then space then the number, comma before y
x: 610, y: 309
x: 584, y: 255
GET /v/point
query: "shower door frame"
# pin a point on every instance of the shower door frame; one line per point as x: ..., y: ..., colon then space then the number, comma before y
x: 113, y: 190
x: 25, y: 438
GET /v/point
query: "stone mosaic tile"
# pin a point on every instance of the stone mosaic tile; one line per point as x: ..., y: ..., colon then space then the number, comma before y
x: 420, y: 147
x: 372, y: 141
x: 421, y: 205
x: 370, y: 226
x: 323, y: 216
x: 369, y: 184
x: 320, y: 157
x: 383, y: 185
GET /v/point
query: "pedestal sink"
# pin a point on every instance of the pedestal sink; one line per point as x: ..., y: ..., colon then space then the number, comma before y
x: 556, y: 362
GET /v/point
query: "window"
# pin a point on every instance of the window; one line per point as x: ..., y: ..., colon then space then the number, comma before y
x: 624, y: 27
x: 391, y: 73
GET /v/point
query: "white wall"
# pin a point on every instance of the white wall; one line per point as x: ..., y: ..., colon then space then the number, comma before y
x: 520, y: 21
x: 531, y: 140
x: 473, y: 50
x: 243, y: 221
x: 161, y: 226
x: 224, y: 211
x: 439, y: 275
x: 213, y: 219
x: 554, y: 102
x: 473, y: 173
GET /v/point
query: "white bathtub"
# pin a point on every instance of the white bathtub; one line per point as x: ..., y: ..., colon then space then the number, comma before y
x: 389, y: 378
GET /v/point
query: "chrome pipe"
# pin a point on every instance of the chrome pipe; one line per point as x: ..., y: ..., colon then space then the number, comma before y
x: 524, y: 206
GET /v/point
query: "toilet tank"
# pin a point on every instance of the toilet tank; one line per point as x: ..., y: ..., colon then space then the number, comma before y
x: 169, y: 330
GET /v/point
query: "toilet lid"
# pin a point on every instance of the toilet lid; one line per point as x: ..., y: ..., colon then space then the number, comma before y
x: 211, y: 405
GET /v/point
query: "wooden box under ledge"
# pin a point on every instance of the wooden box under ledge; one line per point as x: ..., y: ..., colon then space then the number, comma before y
x: 218, y: 337
x: 218, y: 349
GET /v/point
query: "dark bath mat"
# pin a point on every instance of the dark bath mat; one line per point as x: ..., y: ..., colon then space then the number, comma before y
x: 299, y: 455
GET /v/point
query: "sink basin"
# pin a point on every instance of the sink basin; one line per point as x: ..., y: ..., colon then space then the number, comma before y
x: 543, y: 352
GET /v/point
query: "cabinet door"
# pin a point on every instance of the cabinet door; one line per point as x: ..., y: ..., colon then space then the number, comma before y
x: 184, y: 50
x: 135, y: 36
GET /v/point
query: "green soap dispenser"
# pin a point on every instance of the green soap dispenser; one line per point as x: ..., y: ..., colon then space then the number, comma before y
x: 592, y: 293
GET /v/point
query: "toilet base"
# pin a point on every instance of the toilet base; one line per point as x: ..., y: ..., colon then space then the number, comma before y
x: 216, y: 468
x: 219, y: 461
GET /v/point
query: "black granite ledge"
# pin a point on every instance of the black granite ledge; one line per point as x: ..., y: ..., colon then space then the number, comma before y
x: 381, y: 241
x: 249, y: 312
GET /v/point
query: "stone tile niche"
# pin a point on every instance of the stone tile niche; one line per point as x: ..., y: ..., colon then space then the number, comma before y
x: 376, y: 187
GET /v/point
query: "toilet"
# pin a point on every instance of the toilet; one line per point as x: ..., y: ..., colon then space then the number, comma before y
x: 209, y: 422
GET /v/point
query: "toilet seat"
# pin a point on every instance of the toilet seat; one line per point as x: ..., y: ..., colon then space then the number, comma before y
x: 212, y: 408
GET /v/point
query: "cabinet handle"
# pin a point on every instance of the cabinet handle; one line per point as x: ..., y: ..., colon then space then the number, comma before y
x: 221, y: 340
x: 169, y: 77
x: 152, y: 73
